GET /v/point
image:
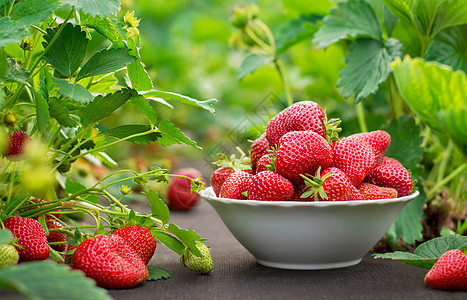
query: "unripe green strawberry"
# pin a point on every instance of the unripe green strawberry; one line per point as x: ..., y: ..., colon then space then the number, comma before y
x: 8, y: 256
x: 203, y: 264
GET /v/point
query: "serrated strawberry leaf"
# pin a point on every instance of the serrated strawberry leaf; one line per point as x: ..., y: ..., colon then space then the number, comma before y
x: 73, y: 91
x: 157, y: 274
x: 59, y: 112
x: 204, y: 104
x: 15, y: 73
x: 32, y: 12
x: 28, y: 279
x: 105, y: 61
x: 42, y: 110
x: 295, y: 32
x: 69, y: 49
x: 368, y: 65
x: 353, y: 19
x: 251, y: 63
x: 141, y: 104
x: 124, y: 131
x: 105, y: 27
x: 159, y: 209
x: 171, y: 135
x: 170, y: 241
x: 10, y: 31
x: 187, y: 237
x: 137, y: 74
x: 426, y: 255
x: 95, y: 7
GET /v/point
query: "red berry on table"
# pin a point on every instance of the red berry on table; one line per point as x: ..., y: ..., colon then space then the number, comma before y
x: 265, y: 163
x: 218, y: 177
x: 270, y: 186
x: 140, y: 239
x: 56, y: 236
x: 372, y: 192
x: 180, y: 196
x: 449, y: 272
x: 355, y: 157
x: 302, y: 152
x: 338, y: 187
x: 379, y: 141
x: 110, y: 261
x: 304, y: 115
x: 16, y: 144
x: 259, y: 148
x: 392, y: 175
x: 236, y: 185
x: 32, y: 237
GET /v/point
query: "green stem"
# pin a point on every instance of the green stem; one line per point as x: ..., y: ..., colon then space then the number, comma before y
x: 268, y: 33
x: 267, y: 48
x: 448, y: 178
x: 444, y: 161
x: 361, y: 117
x: 285, y: 82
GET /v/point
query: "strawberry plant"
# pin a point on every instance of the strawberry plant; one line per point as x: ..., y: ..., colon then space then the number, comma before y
x: 56, y: 94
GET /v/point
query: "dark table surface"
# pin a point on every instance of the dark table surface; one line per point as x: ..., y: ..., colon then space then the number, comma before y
x: 236, y: 275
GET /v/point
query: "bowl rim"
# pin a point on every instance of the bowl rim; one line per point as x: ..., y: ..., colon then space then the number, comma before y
x: 209, y: 195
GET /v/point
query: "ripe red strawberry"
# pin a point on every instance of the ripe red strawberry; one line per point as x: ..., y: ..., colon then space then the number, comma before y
x: 110, y: 261
x: 379, y: 141
x: 140, y: 240
x: 16, y: 143
x: 302, y: 152
x: 32, y: 237
x: 337, y: 186
x: 392, y: 175
x: 56, y: 236
x: 265, y: 163
x: 449, y: 272
x: 270, y: 186
x: 259, y: 148
x: 304, y: 115
x: 218, y: 178
x: 390, y: 161
x: 355, y: 157
x: 235, y: 185
x: 372, y: 192
x: 180, y: 196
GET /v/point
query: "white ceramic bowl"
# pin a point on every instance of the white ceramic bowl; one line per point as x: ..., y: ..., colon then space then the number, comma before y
x: 307, y: 235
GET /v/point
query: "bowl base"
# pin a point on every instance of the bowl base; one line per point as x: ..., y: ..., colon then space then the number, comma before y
x: 298, y: 266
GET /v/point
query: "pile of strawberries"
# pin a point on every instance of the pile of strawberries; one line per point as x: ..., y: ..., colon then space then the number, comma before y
x: 299, y: 158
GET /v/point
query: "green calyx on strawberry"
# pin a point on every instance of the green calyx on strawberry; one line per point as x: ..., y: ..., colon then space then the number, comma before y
x: 8, y: 256
x: 140, y: 239
x: 227, y: 166
x: 195, y: 263
x: 31, y: 237
x: 449, y: 272
x: 110, y: 261
x: 267, y: 162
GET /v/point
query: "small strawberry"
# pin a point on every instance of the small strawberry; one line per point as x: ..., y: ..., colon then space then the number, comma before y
x: 265, y: 163
x: 8, y: 256
x: 16, y: 144
x: 140, y: 239
x: 259, y: 148
x: 236, y: 185
x: 110, y: 261
x: 355, y: 157
x: 226, y: 166
x: 179, y: 194
x: 218, y: 178
x: 392, y: 175
x: 270, y: 186
x: 202, y: 264
x: 449, y: 272
x: 32, y: 237
x: 304, y: 115
x: 379, y: 141
x: 56, y: 236
x: 302, y: 152
x: 372, y: 192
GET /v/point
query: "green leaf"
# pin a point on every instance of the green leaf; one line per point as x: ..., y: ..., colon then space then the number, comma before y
x: 139, y: 77
x: 60, y: 112
x: 251, y: 63
x: 367, y: 66
x: 156, y: 274
x: 5, y: 236
x: 15, y: 73
x: 102, y: 107
x: 450, y: 13
x: 73, y: 91
x: 141, y: 104
x: 172, y: 135
x: 105, y: 27
x: 68, y: 51
x: 105, y: 61
x: 353, y: 19
x: 42, y: 110
x: 159, y: 209
x: 187, y: 237
x: 315, y: 7
x: 450, y: 48
x: 205, y: 104
x: 403, y: 9
x: 11, y: 32
x: 95, y: 7
x: 124, y: 131
x: 426, y: 255
x: 295, y: 32
x: 435, y: 93
x: 170, y: 241
x: 101, y: 84
x: 32, y: 12
x: 28, y: 279
x: 3, y: 62
x: 72, y: 187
